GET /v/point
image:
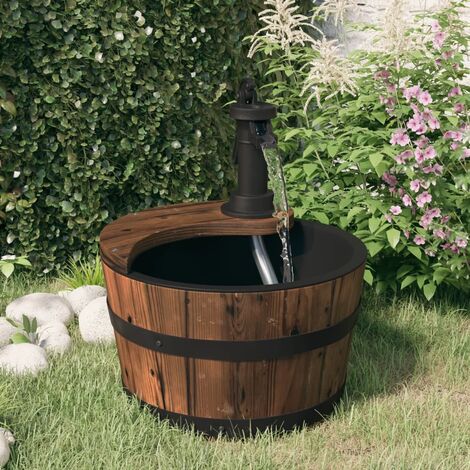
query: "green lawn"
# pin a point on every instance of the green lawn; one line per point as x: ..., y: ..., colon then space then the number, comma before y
x: 407, y: 405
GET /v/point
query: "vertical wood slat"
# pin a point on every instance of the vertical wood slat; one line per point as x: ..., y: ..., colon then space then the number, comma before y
x: 233, y: 390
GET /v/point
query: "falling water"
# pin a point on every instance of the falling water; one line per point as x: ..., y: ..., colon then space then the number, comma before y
x: 281, y: 208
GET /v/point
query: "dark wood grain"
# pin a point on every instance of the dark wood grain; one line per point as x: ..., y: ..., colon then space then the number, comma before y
x: 232, y: 390
x: 125, y: 238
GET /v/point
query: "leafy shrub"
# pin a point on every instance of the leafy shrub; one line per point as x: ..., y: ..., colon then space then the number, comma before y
x: 383, y: 155
x: 108, y: 107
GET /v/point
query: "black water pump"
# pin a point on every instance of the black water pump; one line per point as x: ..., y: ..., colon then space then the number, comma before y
x: 251, y: 199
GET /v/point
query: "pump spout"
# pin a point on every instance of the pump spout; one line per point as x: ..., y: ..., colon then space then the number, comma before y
x: 251, y: 199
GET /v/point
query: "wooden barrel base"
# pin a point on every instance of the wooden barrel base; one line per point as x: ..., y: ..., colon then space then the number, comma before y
x: 203, y: 343
x: 236, y: 428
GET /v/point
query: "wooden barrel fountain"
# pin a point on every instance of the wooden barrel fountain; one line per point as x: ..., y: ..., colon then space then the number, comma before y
x: 204, y: 343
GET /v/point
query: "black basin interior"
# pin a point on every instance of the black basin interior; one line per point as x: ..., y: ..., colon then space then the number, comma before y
x: 223, y: 263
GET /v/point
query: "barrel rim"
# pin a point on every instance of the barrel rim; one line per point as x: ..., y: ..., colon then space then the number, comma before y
x: 357, y: 260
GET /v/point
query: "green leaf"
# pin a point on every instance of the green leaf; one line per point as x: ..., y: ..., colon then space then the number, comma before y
x: 309, y: 169
x: 368, y: 277
x: 49, y: 99
x: 403, y: 270
x: 407, y: 281
x: 18, y: 338
x: 291, y: 133
x: 414, y: 250
x: 393, y: 237
x: 34, y: 325
x: 321, y: 217
x: 308, y: 151
x: 429, y: 290
x: 26, y: 324
x: 374, y: 247
x: 7, y: 269
x: 375, y: 159
x: 8, y: 106
x: 374, y: 223
x: 379, y: 116
x: 332, y: 149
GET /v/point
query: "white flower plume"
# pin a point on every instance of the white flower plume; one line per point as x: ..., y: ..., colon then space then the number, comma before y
x: 283, y: 26
x: 329, y: 72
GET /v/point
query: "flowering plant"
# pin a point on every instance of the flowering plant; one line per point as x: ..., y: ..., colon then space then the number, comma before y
x: 387, y: 156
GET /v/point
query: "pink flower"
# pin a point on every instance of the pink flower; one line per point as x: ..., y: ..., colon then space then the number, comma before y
x: 455, y: 92
x: 411, y: 92
x: 389, y: 179
x: 439, y: 39
x: 415, y: 123
x: 430, y: 253
x: 433, y: 123
x: 434, y: 212
x: 445, y: 219
x: 446, y: 55
x: 425, y: 98
x: 429, y: 153
x: 385, y: 74
x: 454, y: 248
x: 466, y: 153
x: 406, y: 233
x: 459, y: 108
x: 402, y: 157
x: 419, y: 240
x: 423, y: 199
x: 425, y: 221
x: 388, y: 218
x: 439, y: 233
x: 435, y: 169
x: 400, y: 137
x: 454, y: 145
x: 415, y: 185
x: 422, y: 142
x: 395, y: 210
x: 391, y: 88
x: 419, y: 156
x: 422, y: 129
x: 454, y: 135
x: 435, y: 26
x: 461, y: 242
x: 407, y: 202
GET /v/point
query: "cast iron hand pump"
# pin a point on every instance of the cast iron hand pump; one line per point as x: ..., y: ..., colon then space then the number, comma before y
x: 251, y: 199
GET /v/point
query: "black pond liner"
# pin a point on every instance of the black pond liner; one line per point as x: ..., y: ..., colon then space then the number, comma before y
x: 225, y: 263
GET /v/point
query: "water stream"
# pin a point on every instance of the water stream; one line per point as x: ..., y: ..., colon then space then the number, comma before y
x: 281, y: 207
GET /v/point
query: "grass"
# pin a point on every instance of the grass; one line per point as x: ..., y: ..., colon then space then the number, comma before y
x: 81, y: 273
x: 407, y: 405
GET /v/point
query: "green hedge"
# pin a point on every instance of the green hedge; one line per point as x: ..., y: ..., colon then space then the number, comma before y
x: 111, y: 117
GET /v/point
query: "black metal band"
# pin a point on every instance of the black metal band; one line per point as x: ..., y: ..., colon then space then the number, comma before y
x: 247, y: 427
x: 234, y: 351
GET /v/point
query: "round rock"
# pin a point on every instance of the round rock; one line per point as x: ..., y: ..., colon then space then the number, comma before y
x: 54, y: 338
x: 46, y: 308
x: 80, y: 297
x: 23, y: 358
x: 4, y: 451
x: 94, y: 323
x: 6, y: 330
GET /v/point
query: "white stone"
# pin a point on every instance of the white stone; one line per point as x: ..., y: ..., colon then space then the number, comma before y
x: 46, y: 308
x: 56, y: 344
x: 4, y: 451
x: 79, y: 298
x: 54, y: 338
x: 6, y: 330
x: 6, y: 440
x: 94, y: 323
x: 23, y: 358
